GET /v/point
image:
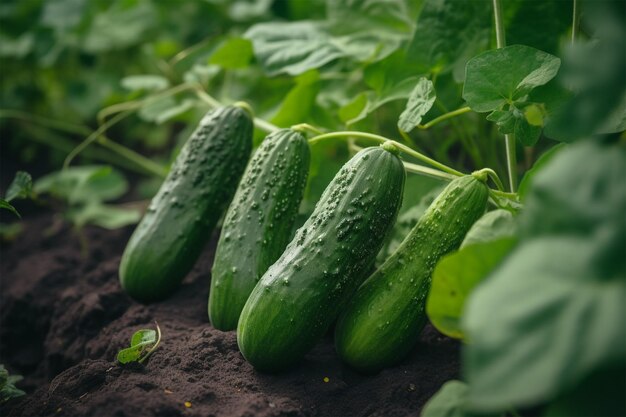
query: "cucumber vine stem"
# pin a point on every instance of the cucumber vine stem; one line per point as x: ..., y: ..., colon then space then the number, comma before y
x: 141, y: 161
x: 575, y: 13
x: 445, y: 116
x: 511, y: 159
x: 382, y: 139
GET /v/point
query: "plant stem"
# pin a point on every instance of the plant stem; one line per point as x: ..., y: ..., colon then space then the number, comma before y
x: 382, y: 139
x: 141, y: 161
x: 93, y: 136
x: 446, y: 116
x: 263, y: 125
x: 44, y: 121
x: 129, y: 154
x: 428, y: 172
x: 153, y: 348
x: 511, y: 160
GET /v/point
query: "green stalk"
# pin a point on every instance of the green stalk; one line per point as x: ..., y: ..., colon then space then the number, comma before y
x: 446, y: 116
x: 511, y: 159
x: 140, y: 160
x: 575, y: 14
x: 382, y: 139
x: 135, y: 158
x: 93, y: 136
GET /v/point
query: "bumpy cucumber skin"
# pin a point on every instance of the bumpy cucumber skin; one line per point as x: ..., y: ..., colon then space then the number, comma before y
x: 382, y: 321
x: 300, y: 295
x: 258, y: 223
x: 169, y: 238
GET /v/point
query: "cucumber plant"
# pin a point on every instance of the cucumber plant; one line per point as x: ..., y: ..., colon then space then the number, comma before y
x: 429, y: 75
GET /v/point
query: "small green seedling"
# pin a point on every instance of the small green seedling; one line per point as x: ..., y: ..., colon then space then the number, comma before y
x: 21, y: 187
x: 7, y: 385
x: 142, y: 344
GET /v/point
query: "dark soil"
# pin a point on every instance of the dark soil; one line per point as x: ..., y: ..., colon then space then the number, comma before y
x: 64, y: 316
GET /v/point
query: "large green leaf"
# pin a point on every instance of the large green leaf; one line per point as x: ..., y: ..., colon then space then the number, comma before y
x: 358, y: 30
x: 504, y: 76
x: 501, y: 80
x: 293, y: 47
x: 551, y: 314
x: 544, y: 320
x: 448, y: 33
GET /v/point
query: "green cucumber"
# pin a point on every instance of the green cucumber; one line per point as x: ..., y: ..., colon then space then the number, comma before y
x: 258, y: 223
x: 301, y: 294
x: 171, y: 235
x: 383, y: 320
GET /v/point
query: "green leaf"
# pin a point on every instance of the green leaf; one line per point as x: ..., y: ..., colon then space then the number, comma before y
x: 142, y: 344
x: 454, y: 279
x: 544, y: 320
x: 7, y: 206
x: 123, y: 24
x: 233, y: 53
x: 103, y: 215
x: 448, y: 401
x: 448, y: 33
x: 17, y: 48
x: 298, y: 103
x: 293, y: 47
x: 8, y: 390
x: 85, y: 184
x: 374, y: 100
x: 503, y: 76
x: 551, y: 315
x: 20, y: 187
x: 420, y: 102
x: 145, y: 82
x: 501, y: 80
x: 491, y: 226
x: 373, y: 30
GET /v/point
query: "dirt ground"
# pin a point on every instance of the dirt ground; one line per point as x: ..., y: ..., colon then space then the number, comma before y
x: 63, y: 317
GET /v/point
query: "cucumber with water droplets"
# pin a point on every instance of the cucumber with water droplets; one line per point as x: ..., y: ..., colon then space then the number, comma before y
x: 170, y: 237
x: 382, y: 321
x: 300, y: 295
x: 258, y: 223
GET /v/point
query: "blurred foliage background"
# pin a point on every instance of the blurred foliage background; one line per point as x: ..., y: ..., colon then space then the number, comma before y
x: 148, y: 69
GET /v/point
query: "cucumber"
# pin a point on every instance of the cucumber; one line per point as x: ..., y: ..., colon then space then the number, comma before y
x: 169, y: 238
x: 300, y: 295
x: 382, y: 321
x: 258, y: 223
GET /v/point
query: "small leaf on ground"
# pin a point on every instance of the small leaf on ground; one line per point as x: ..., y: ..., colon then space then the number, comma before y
x: 8, y: 390
x: 7, y: 206
x: 142, y: 344
x: 20, y: 187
